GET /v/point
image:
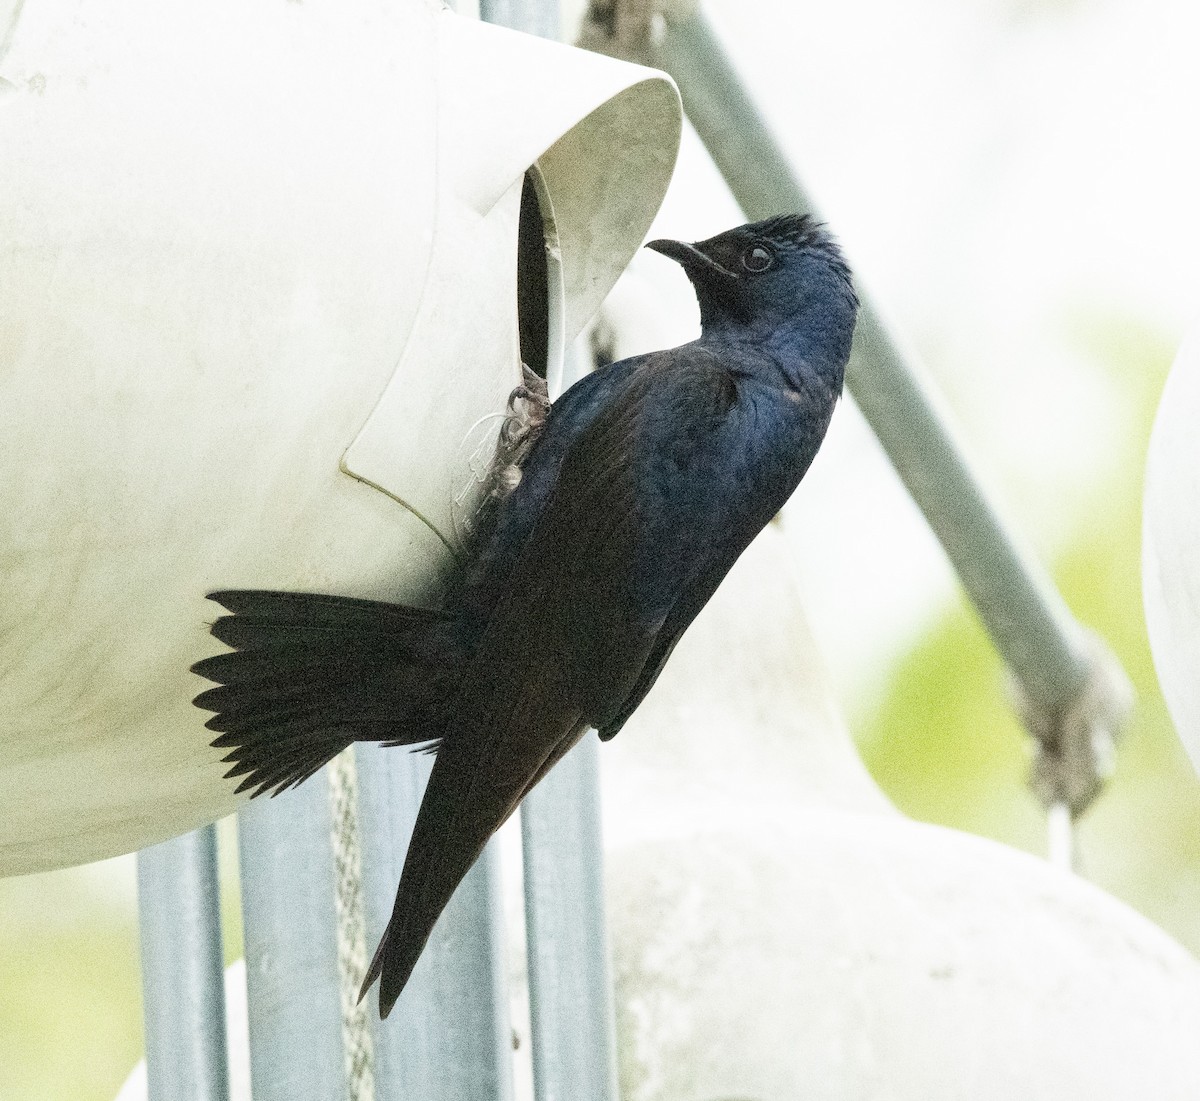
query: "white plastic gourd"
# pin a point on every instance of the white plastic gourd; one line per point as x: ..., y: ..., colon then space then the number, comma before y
x: 257, y: 293
x: 1171, y: 545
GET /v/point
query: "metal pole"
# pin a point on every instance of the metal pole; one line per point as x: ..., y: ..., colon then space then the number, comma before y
x: 289, y: 915
x: 570, y: 982
x: 183, y: 991
x: 570, y: 987
x: 449, y: 1036
x: 1027, y: 619
x: 1060, y: 843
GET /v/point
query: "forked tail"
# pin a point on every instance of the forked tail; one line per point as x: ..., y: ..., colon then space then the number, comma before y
x: 309, y: 674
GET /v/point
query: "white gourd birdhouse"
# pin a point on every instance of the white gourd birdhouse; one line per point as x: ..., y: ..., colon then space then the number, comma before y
x: 258, y: 315
x: 1171, y: 546
x: 780, y: 931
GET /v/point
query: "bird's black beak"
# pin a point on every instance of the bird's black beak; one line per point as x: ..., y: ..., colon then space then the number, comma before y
x: 693, y: 261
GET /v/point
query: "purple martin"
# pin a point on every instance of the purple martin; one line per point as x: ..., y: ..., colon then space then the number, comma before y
x: 645, y: 482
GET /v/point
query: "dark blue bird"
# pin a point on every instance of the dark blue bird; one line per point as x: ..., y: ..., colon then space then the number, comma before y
x: 648, y: 478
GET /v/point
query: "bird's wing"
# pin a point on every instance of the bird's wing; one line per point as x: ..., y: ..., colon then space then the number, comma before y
x: 608, y: 558
x: 564, y: 647
x: 695, y: 595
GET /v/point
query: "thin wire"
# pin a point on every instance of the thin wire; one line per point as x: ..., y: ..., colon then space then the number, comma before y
x: 1060, y: 836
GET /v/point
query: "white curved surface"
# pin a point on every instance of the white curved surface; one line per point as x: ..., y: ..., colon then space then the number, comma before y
x: 837, y: 957
x: 604, y: 136
x: 184, y: 362
x: 218, y: 226
x: 1171, y: 545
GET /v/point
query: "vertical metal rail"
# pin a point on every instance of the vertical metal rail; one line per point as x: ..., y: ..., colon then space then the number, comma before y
x: 183, y: 991
x: 570, y: 980
x: 449, y: 1036
x: 538, y: 17
x: 570, y: 988
x: 290, y: 933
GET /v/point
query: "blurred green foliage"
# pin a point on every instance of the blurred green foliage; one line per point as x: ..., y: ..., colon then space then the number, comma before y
x: 947, y: 748
x: 72, y: 1027
x: 71, y: 1020
x: 70, y: 980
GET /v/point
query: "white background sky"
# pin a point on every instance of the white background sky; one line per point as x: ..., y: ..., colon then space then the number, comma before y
x: 1000, y: 172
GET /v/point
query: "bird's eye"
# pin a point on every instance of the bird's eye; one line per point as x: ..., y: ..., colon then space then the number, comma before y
x: 757, y: 258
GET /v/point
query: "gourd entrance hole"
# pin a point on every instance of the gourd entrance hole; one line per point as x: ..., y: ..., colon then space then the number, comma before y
x: 533, y: 282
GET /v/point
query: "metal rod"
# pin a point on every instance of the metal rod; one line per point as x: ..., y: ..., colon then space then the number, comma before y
x: 449, y: 1036
x: 183, y: 991
x: 538, y: 17
x: 570, y: 983
x: 570, y: 988
x: 1060, y: 836
x: 1027, y: 619
x: 289, y: 915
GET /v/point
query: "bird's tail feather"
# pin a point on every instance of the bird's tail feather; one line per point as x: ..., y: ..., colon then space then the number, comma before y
x: 310, y: 674
x: 472, y: 790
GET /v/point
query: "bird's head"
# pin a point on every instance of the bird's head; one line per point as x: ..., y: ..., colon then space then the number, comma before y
x: 783, y: 277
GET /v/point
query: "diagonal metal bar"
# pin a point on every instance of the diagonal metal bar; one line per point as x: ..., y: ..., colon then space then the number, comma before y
x: 1058, y: 666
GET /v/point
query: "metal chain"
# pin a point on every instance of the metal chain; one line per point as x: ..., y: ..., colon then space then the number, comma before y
x: 351, y: 926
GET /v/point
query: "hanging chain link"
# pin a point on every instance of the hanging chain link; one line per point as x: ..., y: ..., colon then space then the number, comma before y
x: 351, y: 926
